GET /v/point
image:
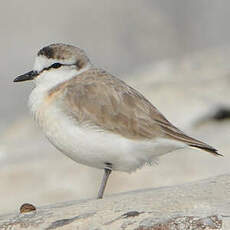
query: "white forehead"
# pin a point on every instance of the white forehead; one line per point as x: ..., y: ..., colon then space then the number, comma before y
x: 42, y: 62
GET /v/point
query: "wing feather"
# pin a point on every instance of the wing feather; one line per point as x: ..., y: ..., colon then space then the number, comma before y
x: 101, y: 100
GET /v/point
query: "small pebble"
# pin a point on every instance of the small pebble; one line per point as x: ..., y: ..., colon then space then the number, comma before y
x: 27, y: 208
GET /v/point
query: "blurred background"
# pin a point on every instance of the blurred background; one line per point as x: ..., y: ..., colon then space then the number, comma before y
x: 175, y: 52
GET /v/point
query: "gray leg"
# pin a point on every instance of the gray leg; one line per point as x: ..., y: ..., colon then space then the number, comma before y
x: 103, y: 183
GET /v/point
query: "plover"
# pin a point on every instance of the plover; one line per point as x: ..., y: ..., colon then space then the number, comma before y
x: 95, y: 118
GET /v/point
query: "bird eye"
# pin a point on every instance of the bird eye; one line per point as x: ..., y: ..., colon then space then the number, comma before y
x: 56, y: 65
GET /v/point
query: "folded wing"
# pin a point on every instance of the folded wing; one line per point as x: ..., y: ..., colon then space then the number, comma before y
x: 98, y: 99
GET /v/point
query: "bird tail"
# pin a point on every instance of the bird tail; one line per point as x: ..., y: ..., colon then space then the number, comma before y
x: 176, y: 134
x: 205, y: 147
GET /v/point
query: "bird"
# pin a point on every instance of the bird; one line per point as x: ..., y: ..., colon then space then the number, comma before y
x: 95, y: 118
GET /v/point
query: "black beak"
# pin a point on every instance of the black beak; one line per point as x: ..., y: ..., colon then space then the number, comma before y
x: 27, y: 76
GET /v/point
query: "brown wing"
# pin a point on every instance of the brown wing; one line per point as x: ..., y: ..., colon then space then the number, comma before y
x: 99, y: 99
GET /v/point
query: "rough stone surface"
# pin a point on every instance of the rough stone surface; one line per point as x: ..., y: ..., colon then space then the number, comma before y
x: 202, y: 205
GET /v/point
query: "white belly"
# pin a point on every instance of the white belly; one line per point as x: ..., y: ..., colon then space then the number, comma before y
x: 95, y: 148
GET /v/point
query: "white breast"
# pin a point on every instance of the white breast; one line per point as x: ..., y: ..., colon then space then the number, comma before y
x: 89, y: 146
x: 95, y: 148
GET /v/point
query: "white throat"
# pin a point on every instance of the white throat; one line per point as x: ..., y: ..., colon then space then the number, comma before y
x: 51, y: 78
x: 48, y: 80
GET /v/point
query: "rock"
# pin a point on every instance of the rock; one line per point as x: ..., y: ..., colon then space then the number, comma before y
x: 25, y: 208
x: 198, y: 205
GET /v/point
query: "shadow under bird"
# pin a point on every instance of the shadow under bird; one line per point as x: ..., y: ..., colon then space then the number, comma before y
x: 95, y: 118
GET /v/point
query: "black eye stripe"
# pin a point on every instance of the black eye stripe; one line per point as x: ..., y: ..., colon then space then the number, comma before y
x: 55, y: 66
